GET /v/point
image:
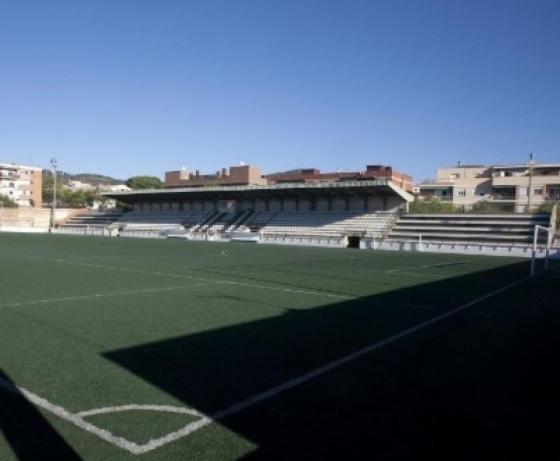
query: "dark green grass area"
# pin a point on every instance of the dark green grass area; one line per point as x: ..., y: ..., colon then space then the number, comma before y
x: 87, y: 323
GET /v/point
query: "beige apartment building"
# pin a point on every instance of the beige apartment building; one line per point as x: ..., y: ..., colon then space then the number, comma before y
x: 23, y: 184
x: 243, y: 175
x: 515, y: 187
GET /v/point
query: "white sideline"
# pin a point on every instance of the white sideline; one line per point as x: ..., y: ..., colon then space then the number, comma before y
x: 78, y: 418
x: 189, y: 277
x: 272, y: 392
x: 103, y: 295
x: 427, y: 266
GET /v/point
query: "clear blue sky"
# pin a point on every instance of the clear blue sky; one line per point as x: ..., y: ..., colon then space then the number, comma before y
x: 128, y: 87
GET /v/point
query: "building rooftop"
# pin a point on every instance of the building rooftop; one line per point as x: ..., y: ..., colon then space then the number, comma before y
x: 380, y: 185
x: 526, y: 165
x: 19, y: 167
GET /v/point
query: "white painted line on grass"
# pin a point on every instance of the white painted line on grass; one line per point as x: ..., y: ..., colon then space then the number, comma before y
x: 192, y: 277
x: 287, y: 290
x: 426, y: 266
x: 138, y: 407
x: 103, y: 295
x: 78, y: 420
x: 274, y: 391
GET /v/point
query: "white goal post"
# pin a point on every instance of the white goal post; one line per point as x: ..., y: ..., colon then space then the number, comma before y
x: 548, y: 243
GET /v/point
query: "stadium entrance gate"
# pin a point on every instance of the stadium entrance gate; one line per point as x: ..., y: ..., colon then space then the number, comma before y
x: 353, y: 241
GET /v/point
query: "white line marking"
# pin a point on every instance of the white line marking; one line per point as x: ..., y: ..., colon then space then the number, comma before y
x: 427, y: 266
x: 272, y: 392
x: 134, y: 448
x: 287, y: 290
x: 190, y: 277
x: 77, y: 419
x: 104, y: 295
x: 137, y: 407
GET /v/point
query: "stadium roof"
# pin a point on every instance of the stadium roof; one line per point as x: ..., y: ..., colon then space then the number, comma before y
x: 382, y: 187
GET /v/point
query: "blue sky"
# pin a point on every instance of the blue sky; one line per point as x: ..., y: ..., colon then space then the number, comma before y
x: 139, y: 87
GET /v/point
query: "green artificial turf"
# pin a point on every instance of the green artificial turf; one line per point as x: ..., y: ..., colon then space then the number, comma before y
x: 88, y: 323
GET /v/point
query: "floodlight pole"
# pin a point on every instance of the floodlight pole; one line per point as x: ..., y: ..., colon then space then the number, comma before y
x: 531, y: 164
x: 54, y: 164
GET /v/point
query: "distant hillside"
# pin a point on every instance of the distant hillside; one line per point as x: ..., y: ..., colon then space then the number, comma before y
x: 90, y: 178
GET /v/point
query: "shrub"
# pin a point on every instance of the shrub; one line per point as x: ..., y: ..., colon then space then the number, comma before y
x: 431, y: 205
x: 7, y: 202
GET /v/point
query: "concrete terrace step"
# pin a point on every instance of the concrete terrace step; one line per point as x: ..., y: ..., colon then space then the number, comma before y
x: 406, y: 227
x: 512, y: 216
x: 440, y: 235
x: 470, y: 221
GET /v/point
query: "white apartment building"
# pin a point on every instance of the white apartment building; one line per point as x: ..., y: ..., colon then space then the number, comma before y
x: 515, y: 187
x: 23, y: 184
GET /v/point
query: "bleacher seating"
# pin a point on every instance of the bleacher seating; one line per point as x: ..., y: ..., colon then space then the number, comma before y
x: 504, y: 228
x: 329, y: 224
x: 258, y: 220
x: 90, y: 221
x: 156, y: 224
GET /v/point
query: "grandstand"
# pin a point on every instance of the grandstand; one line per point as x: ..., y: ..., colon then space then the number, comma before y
x: 325, y: 213
x: 506, y: 228
x: 365, y: 214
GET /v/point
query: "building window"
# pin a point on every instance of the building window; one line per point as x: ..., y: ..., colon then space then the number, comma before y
x: 538, y: 191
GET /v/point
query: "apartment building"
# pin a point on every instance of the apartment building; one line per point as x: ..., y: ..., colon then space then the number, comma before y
x: 516, y: 188
x: 243, y: 175
x: 372, y: 172
x: 23, y: 184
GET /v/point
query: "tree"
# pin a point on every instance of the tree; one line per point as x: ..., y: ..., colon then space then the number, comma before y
x: 144, y: 182
x: 48, y: 189
x: 78, y: 198
x: 7, y: 202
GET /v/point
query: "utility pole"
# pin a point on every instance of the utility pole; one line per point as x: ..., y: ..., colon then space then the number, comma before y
x: 530, y: 189
x: 54, y: 164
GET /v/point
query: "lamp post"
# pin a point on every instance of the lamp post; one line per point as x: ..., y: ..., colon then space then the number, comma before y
x: 54, y: 164
x: 530, y: 191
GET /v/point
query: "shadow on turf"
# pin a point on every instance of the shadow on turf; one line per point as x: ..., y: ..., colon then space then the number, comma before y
x: 470, y: 387
x: 29, y: 434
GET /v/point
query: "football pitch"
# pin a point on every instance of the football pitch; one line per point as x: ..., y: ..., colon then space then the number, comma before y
x: 132, y: 349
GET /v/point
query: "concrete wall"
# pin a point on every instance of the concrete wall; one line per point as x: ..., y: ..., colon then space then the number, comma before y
x: 34, y: 217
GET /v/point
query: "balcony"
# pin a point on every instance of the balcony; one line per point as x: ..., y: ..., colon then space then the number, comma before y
x: 512, y: 181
